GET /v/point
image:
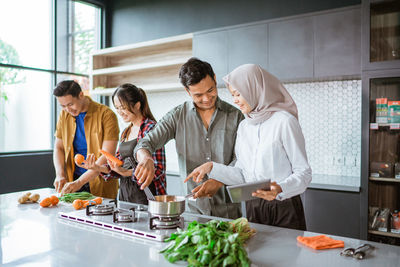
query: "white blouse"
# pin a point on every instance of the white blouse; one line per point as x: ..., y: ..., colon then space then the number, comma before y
x: 273, y: 149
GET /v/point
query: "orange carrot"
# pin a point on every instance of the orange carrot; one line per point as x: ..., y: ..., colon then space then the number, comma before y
x: 111, y: 157
x: 79, y: 159
x: 98, y: 200
x: 77, y: 204
x: 45, y: 202
x: 54, y: 200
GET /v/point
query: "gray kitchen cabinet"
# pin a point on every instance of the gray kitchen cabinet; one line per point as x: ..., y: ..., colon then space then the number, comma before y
x: 212, y: 47
x: 290, y: 52
x: 337, y: 43
x: 332, y: 212
x: 247, y: 45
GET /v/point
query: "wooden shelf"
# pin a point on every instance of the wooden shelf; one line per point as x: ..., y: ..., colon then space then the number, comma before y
x: 393, y: 126
x: 384, y: 233
x: 152, y: 65
x: 148, y: 88
x: 138, y: 67
x: 174, y: 40
x: 391, y: 180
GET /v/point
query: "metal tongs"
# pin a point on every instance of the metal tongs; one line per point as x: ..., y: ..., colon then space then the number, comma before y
x: 358, y: 253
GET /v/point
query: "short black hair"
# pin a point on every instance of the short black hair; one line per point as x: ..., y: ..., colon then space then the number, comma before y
x: 67, y: 87
x: 193, y: 71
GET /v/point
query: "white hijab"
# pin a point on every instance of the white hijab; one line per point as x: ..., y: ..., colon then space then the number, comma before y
x: 263, y: 91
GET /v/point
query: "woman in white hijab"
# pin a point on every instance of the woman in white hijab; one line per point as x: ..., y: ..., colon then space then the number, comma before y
x: 269, y: 144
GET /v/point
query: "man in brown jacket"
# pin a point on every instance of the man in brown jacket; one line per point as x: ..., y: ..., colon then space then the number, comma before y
x: 83, y: 127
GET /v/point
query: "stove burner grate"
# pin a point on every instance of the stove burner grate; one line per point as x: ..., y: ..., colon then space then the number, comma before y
x: 166, y: 222
x: 121, y: 216
x: 101, y: 209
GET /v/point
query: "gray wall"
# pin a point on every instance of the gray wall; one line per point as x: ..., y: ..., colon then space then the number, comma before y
x: 131, y: 21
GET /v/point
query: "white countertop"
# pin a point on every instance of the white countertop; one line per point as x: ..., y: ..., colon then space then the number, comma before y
x: 35, y: 236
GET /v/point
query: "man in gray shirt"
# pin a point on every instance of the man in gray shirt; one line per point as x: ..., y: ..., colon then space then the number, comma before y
x: 204, y: 130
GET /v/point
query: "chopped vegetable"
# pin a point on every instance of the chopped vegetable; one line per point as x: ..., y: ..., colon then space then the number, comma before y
x: 215, y: 243
x: 46, y: 202
x: 54, y: 200
x: 70, y: 197
x: 98, y: 200
x: 79, y: 159
x: 77, y: 204
x: 111, y: 157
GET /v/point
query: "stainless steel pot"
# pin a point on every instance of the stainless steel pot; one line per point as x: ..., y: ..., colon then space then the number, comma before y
x: 167, y: 205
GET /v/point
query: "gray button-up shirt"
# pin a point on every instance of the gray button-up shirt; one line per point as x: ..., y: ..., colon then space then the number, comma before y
x: 196, y: 145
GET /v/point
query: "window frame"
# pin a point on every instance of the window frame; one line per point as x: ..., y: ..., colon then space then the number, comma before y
x: 54, y: 70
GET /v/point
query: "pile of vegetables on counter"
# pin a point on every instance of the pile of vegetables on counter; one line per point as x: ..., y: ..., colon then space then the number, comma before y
x: 78, y: 199
x: 81, y: 199
x: 215, y: 243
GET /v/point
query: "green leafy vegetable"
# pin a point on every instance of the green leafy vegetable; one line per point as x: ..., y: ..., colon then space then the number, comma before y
x: 215, y: 243
x: 70, y: 197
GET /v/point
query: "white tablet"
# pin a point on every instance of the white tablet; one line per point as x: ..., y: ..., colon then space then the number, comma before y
x: 242, y: 192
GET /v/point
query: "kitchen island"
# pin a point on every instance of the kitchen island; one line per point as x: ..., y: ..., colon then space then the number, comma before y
x: 35, y: 236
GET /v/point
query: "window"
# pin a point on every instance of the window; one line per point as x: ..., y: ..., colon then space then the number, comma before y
x: 84, y: 31
x: 26, y: 33
x: 35, y: 56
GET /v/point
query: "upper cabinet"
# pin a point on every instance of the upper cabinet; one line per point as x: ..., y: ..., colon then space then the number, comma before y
x: 212, y: 47
x: 290, y: 50
x: 320, y: 45
x: 381, y: 34
x: 152, y: 65
x: 337, y: 43
x: 247, y: 44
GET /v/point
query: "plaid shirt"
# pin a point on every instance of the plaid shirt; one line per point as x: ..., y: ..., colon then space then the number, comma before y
x: 158, y: 157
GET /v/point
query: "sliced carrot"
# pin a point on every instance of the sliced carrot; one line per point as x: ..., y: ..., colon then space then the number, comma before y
x: 77, y: 204
x: 98, y: 200
x: 111, y: 157
x: 79, y: 159
x: 54, y: 200
x: 45, y: 202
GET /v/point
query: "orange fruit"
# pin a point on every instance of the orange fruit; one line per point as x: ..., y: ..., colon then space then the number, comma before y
x: 79, y: 159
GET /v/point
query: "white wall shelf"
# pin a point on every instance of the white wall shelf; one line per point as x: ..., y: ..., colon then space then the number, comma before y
x: 152, y: 65
x: 150, y: 88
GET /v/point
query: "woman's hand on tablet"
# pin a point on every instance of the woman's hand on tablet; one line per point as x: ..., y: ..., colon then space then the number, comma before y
x: 269, y: 195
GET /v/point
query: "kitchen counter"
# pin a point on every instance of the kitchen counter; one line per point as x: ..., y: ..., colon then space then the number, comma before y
x: 35, y: 236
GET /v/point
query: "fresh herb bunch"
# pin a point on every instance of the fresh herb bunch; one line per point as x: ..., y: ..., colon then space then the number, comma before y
x: 70, y: 197
x: 215, y: 243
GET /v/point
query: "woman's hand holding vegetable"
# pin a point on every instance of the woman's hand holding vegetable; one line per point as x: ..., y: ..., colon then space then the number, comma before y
x: 199, y: 173
x: 118, y: 169
x: 269, y: 195
x: 90, y: 164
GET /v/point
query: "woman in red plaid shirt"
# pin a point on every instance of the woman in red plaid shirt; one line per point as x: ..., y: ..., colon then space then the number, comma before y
x: 131, y: 104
